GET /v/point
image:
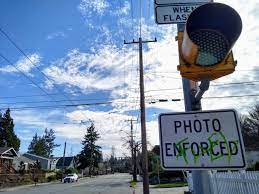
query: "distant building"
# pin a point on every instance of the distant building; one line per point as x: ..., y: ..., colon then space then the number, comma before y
x: 7, y: 155
x: 46, y: 163
x: 22, y: 159
x: 69, y: 162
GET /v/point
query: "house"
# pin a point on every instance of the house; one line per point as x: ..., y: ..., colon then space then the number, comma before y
x: 69, y: 162
x: 22, y: 159
x: 7, y: 155
x: 46, y: 163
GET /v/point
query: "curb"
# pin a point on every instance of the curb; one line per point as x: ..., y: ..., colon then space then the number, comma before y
x: 32, y: 185
x: 26, y: 186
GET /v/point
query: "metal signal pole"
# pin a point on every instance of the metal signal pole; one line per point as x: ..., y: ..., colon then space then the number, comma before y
x: 192, y: 95
x: 142, y: 115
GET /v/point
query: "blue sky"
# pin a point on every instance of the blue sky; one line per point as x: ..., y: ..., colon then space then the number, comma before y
x: 77, y: 56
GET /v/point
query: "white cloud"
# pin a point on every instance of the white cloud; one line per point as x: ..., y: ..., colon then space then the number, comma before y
x: 23, y: 64
x: 102, y: 70
x: 34, y: 119
x: 124, y: 9
x: 152, y: 133
x: 58, y: 34
x: 110, y: 126
x: 89, y: 7
x: 93, y: 9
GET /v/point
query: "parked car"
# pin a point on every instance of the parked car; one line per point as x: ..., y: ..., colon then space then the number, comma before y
x: 70, y: 178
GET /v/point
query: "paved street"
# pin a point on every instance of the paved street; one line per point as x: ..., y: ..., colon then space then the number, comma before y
x: 107, y: 184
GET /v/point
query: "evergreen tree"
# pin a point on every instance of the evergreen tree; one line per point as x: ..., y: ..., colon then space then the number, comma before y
x: 49, y: 137
x: 43, y: 146
x: 33, y: 143
x: 91, y: 153
x: 38, y: 146
x: 7, y: 135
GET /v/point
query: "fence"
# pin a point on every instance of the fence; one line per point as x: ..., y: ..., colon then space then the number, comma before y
x: 235, y: 182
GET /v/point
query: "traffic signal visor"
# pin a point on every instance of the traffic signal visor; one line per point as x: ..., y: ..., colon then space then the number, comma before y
x: 205, y: 46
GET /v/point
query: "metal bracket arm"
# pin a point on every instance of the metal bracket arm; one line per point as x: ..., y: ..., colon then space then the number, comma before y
x: 203, y: 87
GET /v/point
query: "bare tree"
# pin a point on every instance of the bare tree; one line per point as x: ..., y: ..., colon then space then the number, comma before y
x: 250, y: 129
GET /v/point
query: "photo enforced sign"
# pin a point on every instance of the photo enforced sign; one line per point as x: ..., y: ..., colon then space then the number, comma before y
x: 201, y: 140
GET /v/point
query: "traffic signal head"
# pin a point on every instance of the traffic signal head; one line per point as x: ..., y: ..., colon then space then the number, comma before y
x: 210, y: 33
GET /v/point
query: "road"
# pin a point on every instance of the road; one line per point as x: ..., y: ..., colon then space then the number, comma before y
x: 106, y: 184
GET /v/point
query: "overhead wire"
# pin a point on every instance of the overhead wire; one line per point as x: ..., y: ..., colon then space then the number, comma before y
x: 124, y: 55
x: 162, y: 89
x: 110, y: 102
x: 65, y: 105
x: 140, y: 18
x: 26, y: 56
x: 177, y: 72
x: 78, y: 100
x: 157, y: 75
x: 31, y: 80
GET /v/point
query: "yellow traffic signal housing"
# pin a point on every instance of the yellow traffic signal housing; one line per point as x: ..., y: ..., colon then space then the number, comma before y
x: 205, y: 45
x: 198, y: 73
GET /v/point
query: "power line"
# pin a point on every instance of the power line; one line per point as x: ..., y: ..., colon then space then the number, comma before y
x: 52, y: 122
x: 163, y: 89
x: 44, y: 75
x: 68, y: 105
x: 140, y: 18
x: 58, y: 106
x: 157, y: 75
x: 55, y: 94
x: 232, y: 96
x: 36, y: 95
x: 177, y: 72
x: 26, y: 76
x: 209, y: 97
x: 86, y: 99
x: 32, y: 81
x: 213, y: 85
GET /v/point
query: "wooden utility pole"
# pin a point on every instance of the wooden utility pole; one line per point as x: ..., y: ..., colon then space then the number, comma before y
x: 142, y: 115
x: 63, y: 162
x: 133, y: 151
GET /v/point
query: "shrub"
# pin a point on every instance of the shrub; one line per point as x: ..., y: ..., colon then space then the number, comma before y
x: 71, y: 171
x: 59, y: 174
x: 51, y: 178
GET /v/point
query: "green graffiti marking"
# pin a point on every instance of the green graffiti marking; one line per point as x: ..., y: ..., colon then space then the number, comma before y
x: 218, y: 137
x: 182, y: 151
x: 212, y: 145
x: 228, y: 149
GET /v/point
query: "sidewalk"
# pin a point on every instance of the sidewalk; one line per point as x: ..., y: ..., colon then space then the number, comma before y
x: 177, y: 190
x: 14, y: 188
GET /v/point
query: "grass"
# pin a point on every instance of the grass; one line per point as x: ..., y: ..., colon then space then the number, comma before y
x: 171, y: 185
x: 133, y: 184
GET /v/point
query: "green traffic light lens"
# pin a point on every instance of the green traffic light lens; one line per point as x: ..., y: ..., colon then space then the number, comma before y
x: 212, y: 46
x: 213, y: 28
